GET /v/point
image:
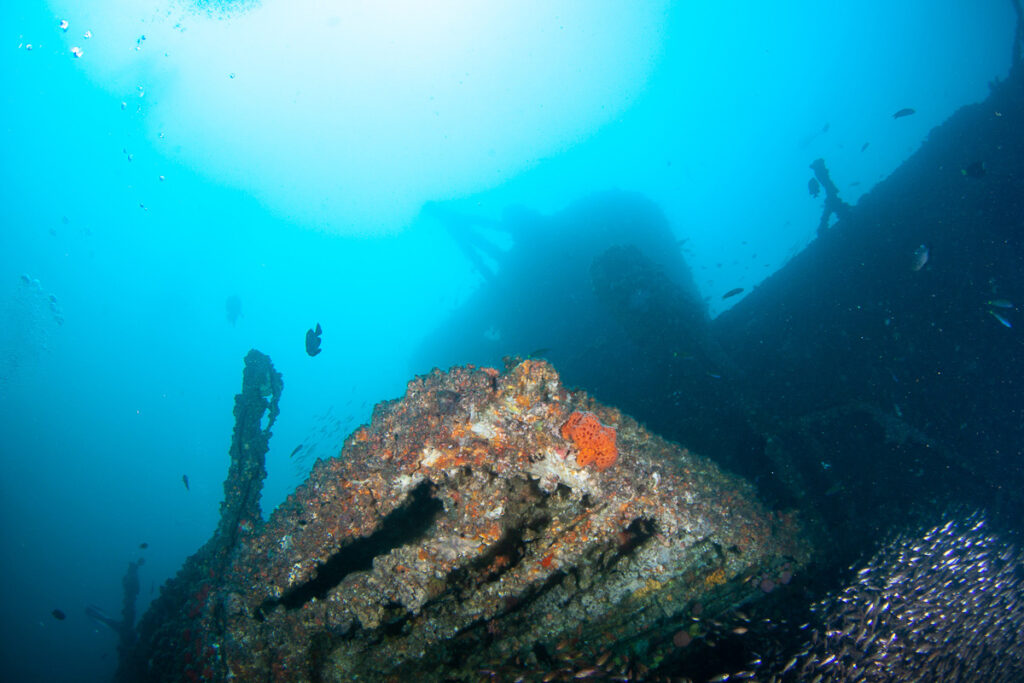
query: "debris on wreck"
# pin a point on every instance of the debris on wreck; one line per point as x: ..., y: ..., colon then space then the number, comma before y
x: 833, y: 204
x: 462, y: 531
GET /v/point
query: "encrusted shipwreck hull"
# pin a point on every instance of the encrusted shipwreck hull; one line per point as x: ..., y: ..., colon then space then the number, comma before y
x: 456, y: 533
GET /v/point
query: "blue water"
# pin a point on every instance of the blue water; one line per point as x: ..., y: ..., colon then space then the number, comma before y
x: 281, y: 155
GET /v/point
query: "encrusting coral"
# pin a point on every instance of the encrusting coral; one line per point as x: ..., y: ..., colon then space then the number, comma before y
x: 594, y: 442
x: 454, y: 534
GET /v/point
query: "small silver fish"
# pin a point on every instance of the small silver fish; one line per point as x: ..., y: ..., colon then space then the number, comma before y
x: 1000, y: 303
x: 1002, y: 321
x: 920, y: 258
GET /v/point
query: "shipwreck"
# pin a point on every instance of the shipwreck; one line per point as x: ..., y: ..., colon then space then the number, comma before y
x: 488, y: 520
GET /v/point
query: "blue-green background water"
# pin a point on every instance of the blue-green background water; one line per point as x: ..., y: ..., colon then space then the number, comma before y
x: 282, y: 154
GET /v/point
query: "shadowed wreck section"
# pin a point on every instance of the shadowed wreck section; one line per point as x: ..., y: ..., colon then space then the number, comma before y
x: 457, y: 533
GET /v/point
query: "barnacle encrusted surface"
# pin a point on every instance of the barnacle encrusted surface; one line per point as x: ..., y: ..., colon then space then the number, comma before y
x: 457, y: 531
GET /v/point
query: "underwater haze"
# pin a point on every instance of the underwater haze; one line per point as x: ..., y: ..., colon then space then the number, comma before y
x: 183, y: 182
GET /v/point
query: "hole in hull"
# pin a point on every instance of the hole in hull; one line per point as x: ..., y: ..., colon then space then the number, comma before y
x: 405, y: 525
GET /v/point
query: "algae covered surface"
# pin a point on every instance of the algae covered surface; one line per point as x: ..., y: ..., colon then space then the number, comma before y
x: 458, y: 533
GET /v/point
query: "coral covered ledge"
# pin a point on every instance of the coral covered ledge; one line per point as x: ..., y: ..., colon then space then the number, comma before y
x: 463, y: 530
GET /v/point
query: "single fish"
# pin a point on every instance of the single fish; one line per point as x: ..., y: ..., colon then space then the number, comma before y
x: 233, y: 308
x: 297, y: 449
x: 1002, y: 321
x: 903, y: 112
x: 59, y: 615
x: 143, y: 546
x: 920, y: 258
x: 864, y: 146
x: 834, y: 489
x: 814, y: 187
x: 974, y: 170
x: 313, y: 340
x: 732, y: 292
x: 100, y: 617
x: 1000, y: 303
x: 184, y: 480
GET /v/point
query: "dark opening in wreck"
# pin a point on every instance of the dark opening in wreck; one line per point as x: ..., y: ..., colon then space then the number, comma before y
x: 406, y: 525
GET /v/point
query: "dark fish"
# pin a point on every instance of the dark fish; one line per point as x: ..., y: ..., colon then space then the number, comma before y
x: 974, y: 170
x: 59, y: 615
x: 539, y: 353
x: 864, y: 146
x: 297, y: 449
x: 732, y: 292
x: 184, y: 480
x: 143, y: 545
x: 814, y: 187
x: 903, y: 112
x: 313, y: 340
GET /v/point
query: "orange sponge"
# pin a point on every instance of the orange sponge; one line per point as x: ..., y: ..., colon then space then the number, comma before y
x: 594, y: 442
